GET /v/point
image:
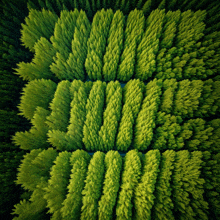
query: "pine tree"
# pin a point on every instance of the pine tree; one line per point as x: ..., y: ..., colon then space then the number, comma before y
x: 114, y: 48
x: 130, y: 178
x: 132, y: 99
x: 76, y: 60
x: 56, y: 190
x: 145, y: 122
x: 60, y: 108
x: 149, y: 46
x: 163, y: 205
x: 93, y: 186
x: 36, y: 93
x: 61, y: 40
x: 113, y: 166
x: 215, y: 138
x: 147, y: 7
x: 73, y: 202
x: 133, y: 34
x: 94, y: 114
x: 39, y: 67
x: 143, y: 195
x: 36, y: 137
x: 34, y: 27
x: 111, y: 116
x: 97, y: 42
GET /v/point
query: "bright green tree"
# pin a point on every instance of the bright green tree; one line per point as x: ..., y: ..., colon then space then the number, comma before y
x: 144, y: 191
x: 163, y: 205
x: 38, y: 92
x: 111, y: 116
x: 113, y: 166
x: 115, y: 46
x: 72, y: 204
x: 145, y: 122
x: 130, y: 178
x: 133, y: 34
x: 34, y: 27
x: 93, y: 186
x: 97, y: 43
x: 56, y: 190
x: 149, y: 45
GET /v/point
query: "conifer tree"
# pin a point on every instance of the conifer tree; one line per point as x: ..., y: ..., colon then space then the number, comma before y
x: 147, y: 7
x: 145, y: 122
x: 56, y: 190
x: 133, y: 34
x: 34, y: 27
x: 97, y: 42
x: 113, y: 166
x: 38, y: 92
x: 163, y: 205
x: 186, y: 100
x: 143, y: 195
x: 186, y: 169
x: 149, y: 45
x: 168, y: 127
x: 132, y: 99
x: 169, y: 89
x: 94, y: 115
x: 93, y: 186
x: 61, y: 40
x: 36, y: 137
x: 130, y: 178
x: 215, y: 138
x: 76, y: 60
x: 72, y: 204
x: 115, y: 46
x: 39, y: 67
x: 111, y: 116
x: 60, y: 108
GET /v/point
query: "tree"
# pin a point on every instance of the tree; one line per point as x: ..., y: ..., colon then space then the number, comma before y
x: 93, y: 186
x: 130, y: 178
x: 73, y: 202
x: 143, y: 193
x: 56, y: 190
x: 35, y: 25
x: 149, y: 46
x: 94, y: 114
x: 133, y: 34
x: 145, y: 122
x: 36, y: 137
x: 114, y: 48
x: 38, y: 92
x: 111, y: 116
x: 163, y: 205
x: 60, y: 108
x: 97, y: 42
x: 215, y: 138
x: 113, y: 166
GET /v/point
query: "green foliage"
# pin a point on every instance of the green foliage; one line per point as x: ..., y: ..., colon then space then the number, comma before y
x: 149, y: 45
x: 38, y: 92
x: 163, y: 205
x: 115, y: 46
x: 73, y: 202
x: 143, y: 195
x: 145, y: 122
x: 56, y: 190
x: 132, y: 99
x: 113, y: 164
x: 36, y: 137
x: 34, y: 27
x: 215, y: 138
x: 94, y: 110
x: 133, y: 34
x: 130, y: 178
x: 111, y: 116
x: 93, y: 186
x: 60, y: 108
x: 97, y: 43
